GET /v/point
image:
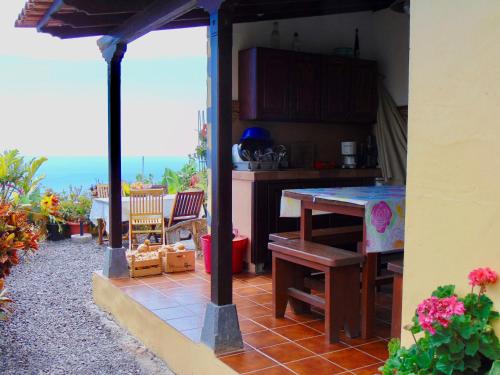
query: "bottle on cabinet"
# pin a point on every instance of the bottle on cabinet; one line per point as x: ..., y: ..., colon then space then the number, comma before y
x: 296, y: 42
x: 356, y: 45
x: 275, y: 36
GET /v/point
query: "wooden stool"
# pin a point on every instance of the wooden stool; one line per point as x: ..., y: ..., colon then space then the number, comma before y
x: 292, y: 263
x: 397, y: 296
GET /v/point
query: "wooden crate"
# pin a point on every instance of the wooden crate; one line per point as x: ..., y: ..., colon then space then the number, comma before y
x: 149, y: 267
x: 179, y: 261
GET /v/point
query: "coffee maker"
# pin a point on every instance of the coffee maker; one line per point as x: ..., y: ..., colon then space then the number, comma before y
x: 348, y: 150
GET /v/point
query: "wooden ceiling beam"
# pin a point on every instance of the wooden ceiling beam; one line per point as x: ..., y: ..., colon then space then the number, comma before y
x: 270, y: 10
x: 99, y: 7
x: 196, y: 17
x: 182, y: 24
x: 153, y: 17
x: 194, y: 14
x: 309, y: 6
x: 67, y: 32
x: 54, y: 8
x: 80, y: 19
x: 27, y: 24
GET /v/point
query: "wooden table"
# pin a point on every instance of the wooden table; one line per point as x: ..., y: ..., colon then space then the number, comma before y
x: 397, y: 296
x: 309, y: 203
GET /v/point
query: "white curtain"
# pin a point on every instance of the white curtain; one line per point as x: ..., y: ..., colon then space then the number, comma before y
x: 391, y: 132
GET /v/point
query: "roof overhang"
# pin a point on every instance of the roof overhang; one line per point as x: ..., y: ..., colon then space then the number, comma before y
x: 82, y: 18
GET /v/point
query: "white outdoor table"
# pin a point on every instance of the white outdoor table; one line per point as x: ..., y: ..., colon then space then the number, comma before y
x: 99, y: 212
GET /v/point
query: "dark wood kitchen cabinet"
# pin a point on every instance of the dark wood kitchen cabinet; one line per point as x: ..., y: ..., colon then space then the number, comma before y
x: 278, y: 85
x: 363, y: 106
x: 273, y: 79
x: 357, y: 78
x: 264, y: 88
x: 305, y: 92
x: 336, y: 84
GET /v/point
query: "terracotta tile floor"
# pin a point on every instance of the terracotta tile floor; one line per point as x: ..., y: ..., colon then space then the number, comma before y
x: 292, y: 345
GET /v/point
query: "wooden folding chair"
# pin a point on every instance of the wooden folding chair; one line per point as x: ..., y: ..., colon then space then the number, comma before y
x: 102, y: 190
x: 186, y: 209
x: 187, y: 206
x: 146, y: 213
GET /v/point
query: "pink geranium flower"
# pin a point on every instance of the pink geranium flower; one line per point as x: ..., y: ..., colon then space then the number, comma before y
x: 439, y: 311
x: 482, y: 276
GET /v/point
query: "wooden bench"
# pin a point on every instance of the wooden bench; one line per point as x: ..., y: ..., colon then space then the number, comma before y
x: 336, y: 237
x: 293, y: 261
x: 397, y: 296
x: 328, y: 236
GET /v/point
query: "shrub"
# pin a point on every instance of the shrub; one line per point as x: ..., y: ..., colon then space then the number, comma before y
x: 189, y: 177
x: 17, y: 237
x: 18, y: 180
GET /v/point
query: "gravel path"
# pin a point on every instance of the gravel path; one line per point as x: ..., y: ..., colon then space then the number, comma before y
x: 56, y: 329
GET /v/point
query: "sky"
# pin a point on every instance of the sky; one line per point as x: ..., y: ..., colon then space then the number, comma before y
x: 53, y: 98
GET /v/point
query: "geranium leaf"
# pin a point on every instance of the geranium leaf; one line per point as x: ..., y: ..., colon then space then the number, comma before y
x: 495, y: 368
x: 440, y: 337
x: 424, y: 360
x: 491, y: 351
x: 494, y: 315
x: 472, y: 363
x: 484, y: 307
x: 472, y: 346
x: 394, y: 346
x: 444, y: 365
x: 456, y: 346
x: 444, y: 291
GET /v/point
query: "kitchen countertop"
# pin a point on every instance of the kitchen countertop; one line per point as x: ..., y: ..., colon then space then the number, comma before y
x: 305, y: 174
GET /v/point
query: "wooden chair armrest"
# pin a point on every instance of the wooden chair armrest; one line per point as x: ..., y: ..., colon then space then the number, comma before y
x: 197, y: 227
x: 182, y: 225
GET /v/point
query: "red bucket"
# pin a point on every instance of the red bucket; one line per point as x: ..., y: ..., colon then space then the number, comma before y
x: 240, y: 244
x: 75, y: 228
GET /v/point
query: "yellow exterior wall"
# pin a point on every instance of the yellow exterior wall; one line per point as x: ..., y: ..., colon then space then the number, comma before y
x: 453, y: 192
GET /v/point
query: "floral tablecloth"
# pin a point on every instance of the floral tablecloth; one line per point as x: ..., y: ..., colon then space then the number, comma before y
x: 384, y: 211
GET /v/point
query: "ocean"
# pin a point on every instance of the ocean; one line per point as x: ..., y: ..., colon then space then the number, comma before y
x: 62, y: 171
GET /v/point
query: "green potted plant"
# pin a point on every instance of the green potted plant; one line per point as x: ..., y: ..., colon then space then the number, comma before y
x: 75, y: 208
x: 50, y: 217
x: 455, y: 334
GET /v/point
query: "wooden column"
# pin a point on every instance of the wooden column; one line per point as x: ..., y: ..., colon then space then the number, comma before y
x: 114, y: 147
x: 115, y: 261
x: 221, y: 330
x: 221, y: 40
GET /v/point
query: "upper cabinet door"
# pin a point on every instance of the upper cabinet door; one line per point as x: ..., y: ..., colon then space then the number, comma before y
x: 273, y: 84
x: 364, y: 98
x: 337, y: 75
x: 306, y: 88
x: 277, y: 85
